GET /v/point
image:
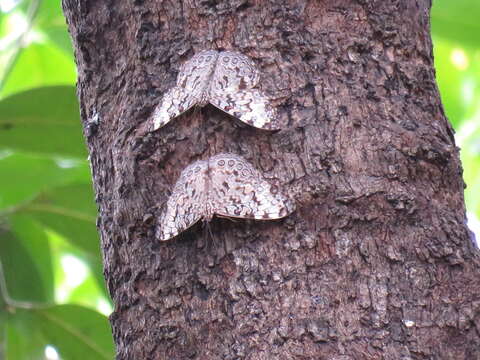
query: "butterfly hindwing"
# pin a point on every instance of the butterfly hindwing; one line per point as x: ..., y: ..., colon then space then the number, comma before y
x: 237, y: 189
x: 233, y: 72
x: 196, y: 74
x: 250, y: 106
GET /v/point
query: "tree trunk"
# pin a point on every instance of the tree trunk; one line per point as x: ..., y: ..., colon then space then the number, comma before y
x: 376, y: 262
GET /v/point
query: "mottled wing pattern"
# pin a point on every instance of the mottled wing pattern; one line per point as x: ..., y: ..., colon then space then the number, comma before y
x: 233, y: 72
x: 187, y: 203
x: 231, y: 90
x: 193, y: 82
x: 196, y: 74
x: 250, y: 106
x: 237, y: 189
x: 175, y: 102
x: 226, y: 80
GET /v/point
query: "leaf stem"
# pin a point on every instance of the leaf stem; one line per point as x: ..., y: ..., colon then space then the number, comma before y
x: 30, y: 205
x: 7, y: 302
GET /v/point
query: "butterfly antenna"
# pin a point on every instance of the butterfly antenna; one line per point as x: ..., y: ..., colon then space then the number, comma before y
x: 210, y: 232
x: 205, y: 232
x: 208, y: 237
x: 196, y: 110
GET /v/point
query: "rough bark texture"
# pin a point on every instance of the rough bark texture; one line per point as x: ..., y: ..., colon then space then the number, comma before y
x: 376, y: 263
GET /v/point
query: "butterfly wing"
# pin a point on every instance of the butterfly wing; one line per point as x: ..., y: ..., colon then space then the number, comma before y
x: 186, y: 204
x: 237, y: 189
x: 250, y: 106
x: 231, y: 90
x: 233, y: 72
x: 195, y: 74
x: 175, y: 102
x: 192, y: 82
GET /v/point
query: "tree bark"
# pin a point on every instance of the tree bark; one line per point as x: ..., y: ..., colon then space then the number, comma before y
x: 376, y: 263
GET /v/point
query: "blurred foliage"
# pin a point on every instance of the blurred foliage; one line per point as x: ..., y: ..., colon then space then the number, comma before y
x: 52, y: 295
x: 455, y: 30
x: 53, y: 302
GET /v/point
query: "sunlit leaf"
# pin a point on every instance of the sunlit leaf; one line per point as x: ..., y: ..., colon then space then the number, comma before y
x: 87, y: 294
x: 26, y: 176
x: 469, y: 136
x: 3, y: 329
x: 43, y: 120
x: 61, y: 247
x: 59, y: 35
x: 40, y: 65
x: 77, y: 333
x: 50, y: 21
x: 96, y: 268
x: 70, y: 211
x: 23, y: 341
x: 6, y: 34
x: 449, y: 80
x: 457, y: 21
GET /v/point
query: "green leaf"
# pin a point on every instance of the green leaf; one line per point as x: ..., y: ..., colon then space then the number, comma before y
x: 96, y: 267
x: 449, y: 80
x: 40, y: 64
x: 43, y: 120
x: 25, y: 176
x: 87, y: 294
x: 50, y: 21
x: 5, y: 25
x: 457, y: 21
x: 23, y: 341
x: 61, y: 247
x: 27, y: 265
x: 76, y: 333
x: 71, y: 212
x: 50, y: 12
x: 61, y: 38
x: 469, y: 138
x: 3, y: 319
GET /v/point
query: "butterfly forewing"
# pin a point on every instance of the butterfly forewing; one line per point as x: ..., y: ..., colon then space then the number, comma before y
x: 175, y: 102
x: 187, y: 203
x: 196, y: 74
x: 192, y: 84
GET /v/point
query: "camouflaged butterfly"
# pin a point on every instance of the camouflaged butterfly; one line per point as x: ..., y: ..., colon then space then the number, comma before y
x: 224, y: 79
x: 224, y: 185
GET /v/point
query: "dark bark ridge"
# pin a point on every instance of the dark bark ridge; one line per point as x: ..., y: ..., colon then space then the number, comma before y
x: 376, y: 262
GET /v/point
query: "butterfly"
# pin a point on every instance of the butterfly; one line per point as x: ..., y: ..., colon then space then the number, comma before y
x: 224, y: 185
x: 225, y: 79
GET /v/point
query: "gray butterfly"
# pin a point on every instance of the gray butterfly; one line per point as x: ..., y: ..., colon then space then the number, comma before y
x: 224, y: 79
x: 224, y: 185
